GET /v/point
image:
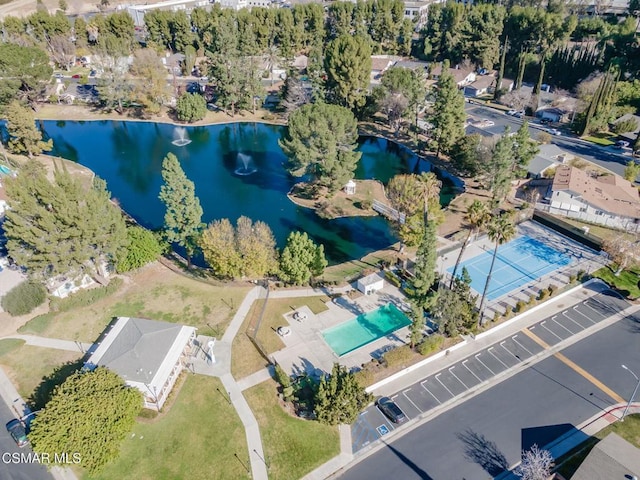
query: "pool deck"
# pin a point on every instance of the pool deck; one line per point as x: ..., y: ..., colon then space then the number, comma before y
x: 305, y: 348
x: 582, y: 258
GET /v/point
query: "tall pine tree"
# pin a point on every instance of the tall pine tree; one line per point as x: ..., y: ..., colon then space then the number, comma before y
x: 183, y: 217
x: 448, y: 117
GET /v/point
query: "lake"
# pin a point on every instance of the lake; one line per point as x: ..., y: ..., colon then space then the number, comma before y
x: 128, y: 155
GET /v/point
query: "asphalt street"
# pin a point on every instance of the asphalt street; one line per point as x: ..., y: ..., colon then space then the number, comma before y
x: 606, y: 157
x: 12, y: 468
x: 480, y: 437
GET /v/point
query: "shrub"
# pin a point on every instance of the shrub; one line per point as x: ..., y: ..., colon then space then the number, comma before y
x: 143, y: 248
x: 23, y: 298
x: 431, y: 344
x: 543, y: 294
x: 532, y: 300
x: 398, y: 356
x: 520, y: 306
x: 393, y: 278
x: 573, y: 278
x: 552, y: 290
x: 366, y: 204
x: 83, y: 298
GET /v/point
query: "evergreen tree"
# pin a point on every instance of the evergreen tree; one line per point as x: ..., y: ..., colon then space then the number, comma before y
x: 425, y: 266
x: 501, y: 168
x: 24, y: 136
x: 301, y: 259
x: 524, y: 150
x: 348, y: 67
x: 143, y: 248
x: 191, y: 107
x: 416, y: 329
x: 218, y: 245
x: 339, y: 398
x: 503, y: 56
x: 90, y: 414
x: 321, y: 142
x: 183, y: 217
x: 454, y: 310
x: 448, y: 113
x: 61, y: 228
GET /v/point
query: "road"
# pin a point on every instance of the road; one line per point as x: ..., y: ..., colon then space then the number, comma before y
x: 11, y: 468
x: 480, y: 437
x: 605, y: 157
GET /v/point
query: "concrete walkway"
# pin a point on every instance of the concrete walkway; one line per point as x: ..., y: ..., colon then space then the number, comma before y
x: 55, y: 343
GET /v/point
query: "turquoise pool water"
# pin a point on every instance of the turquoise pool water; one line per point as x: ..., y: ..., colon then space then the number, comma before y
x: 4, y: 170
x: 365, y: 328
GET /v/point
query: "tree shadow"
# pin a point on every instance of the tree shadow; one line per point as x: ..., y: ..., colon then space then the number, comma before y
x: 420, y: 472
x: 44, y: 391
x: 484, y: 452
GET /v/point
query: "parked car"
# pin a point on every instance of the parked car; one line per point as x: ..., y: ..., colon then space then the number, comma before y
x: 554, y: 131
x: 18, y: 432
x: 391, y: 410
x: 75, y: 76
x: 512, y: 112
x: 545, y: 121
x: 58, y: 75
x: 519, y: 114
x: 621, y: 144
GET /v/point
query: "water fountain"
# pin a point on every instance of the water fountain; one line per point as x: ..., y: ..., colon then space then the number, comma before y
x: 244, y: 165
x: 181, y: 137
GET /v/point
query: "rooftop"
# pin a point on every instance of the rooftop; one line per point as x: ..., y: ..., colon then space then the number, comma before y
x: 610, y: 193
x: 611, y: 458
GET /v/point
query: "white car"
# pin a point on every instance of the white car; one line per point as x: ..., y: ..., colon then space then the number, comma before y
x: 554, y: 131
x: 512, y: 112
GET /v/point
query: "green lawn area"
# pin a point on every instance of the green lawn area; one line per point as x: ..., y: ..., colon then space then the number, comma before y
x: 349, y: 271
x: 196, y: 439
x: 626, y: 282
x: 602, y: 138
x: 155, y: 292
x: 629, y: 430
x: 27, y: 366
x: 293, y: 447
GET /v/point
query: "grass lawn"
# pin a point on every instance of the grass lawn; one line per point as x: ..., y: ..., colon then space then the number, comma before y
x: 245, y: 358
x: 629, y: 430
x: 293, y: 447
x: 597, y: 230
x: 27, y: 366
x: 349, y: 271
x: 601, y: 138
x: 626, y: 283
x: 154, y: 292
x: 196, y: 439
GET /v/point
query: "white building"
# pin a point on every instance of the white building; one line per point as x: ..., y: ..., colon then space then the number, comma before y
x: 608, y: 200
x: 371, y: 283
x: 149, y: 355
x: 137, y: 11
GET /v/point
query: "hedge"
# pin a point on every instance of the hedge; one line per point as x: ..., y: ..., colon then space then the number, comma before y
x: 24, y: 298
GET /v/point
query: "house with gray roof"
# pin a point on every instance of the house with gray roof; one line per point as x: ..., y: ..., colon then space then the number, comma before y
x: 149, y: 355
x: 611, y: 458
x: 549, y: 156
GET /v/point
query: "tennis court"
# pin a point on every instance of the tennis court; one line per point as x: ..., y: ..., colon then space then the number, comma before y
x: 518, y: 262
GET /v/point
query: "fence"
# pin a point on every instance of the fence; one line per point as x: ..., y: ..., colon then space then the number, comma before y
x: 606, y: 220
x: 592, y: 241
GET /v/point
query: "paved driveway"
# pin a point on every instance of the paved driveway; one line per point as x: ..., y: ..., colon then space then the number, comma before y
x: 459, y: 378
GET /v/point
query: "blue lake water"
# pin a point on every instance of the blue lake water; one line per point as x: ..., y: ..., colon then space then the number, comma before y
x: 128, y: 155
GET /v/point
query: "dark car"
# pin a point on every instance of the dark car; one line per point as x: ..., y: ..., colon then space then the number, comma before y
x: 18, y: 432
x: 391, y: 410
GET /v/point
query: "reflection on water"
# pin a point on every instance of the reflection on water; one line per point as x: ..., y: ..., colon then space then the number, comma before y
x: 128, y: 155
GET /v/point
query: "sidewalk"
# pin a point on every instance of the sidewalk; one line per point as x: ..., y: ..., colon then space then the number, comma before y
x: 58, y: 344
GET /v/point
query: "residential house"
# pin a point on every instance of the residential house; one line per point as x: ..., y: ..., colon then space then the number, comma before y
x: 379, y: 65
x: 149, y: 355
x: 608, y: 200
x: 481, y: 86
x: 421, y: 67
x: 612, y: 457
x: 627, y: 136
x: 548, y: 157
x: 553, y: 114
x: 418, y: 12
x: 462, y: 76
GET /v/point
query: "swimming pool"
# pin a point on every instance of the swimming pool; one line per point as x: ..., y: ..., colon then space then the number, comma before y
x: 520, y: 261
x: 4, y: 170
x: 365, y: 328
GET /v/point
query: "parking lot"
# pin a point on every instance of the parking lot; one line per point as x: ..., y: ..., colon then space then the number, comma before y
x: 453, y: 381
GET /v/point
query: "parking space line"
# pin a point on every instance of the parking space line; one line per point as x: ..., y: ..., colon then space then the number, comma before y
x: 553, y: 319
x: 429, y: 392
x: 445, y: 387
x: 568, y: 317
x: 492, y: 372
x: 463, y: 364
x: 576, y: 368
x: 451, y: 372
x: 404, y: 392
x: 521, y: 346
x: 385, y: 418
x: 580, y: 313
x: 493, y: 355
x: 510, y: 352
x: 555, y: 335
x: 614, y: 308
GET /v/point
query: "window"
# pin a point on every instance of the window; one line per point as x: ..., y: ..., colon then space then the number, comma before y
x: 583, y: 209
x: 599, y: 212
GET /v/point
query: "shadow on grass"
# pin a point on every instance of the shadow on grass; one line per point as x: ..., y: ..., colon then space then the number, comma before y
x: 44, y: 391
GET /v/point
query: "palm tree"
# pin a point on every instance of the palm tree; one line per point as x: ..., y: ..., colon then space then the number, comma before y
x: 500, y: 229
x: 272, y: 59
x: 429, y: 186
x: 476, y: 217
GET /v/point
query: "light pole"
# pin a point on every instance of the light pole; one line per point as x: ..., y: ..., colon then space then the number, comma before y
x: 635, y: 390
